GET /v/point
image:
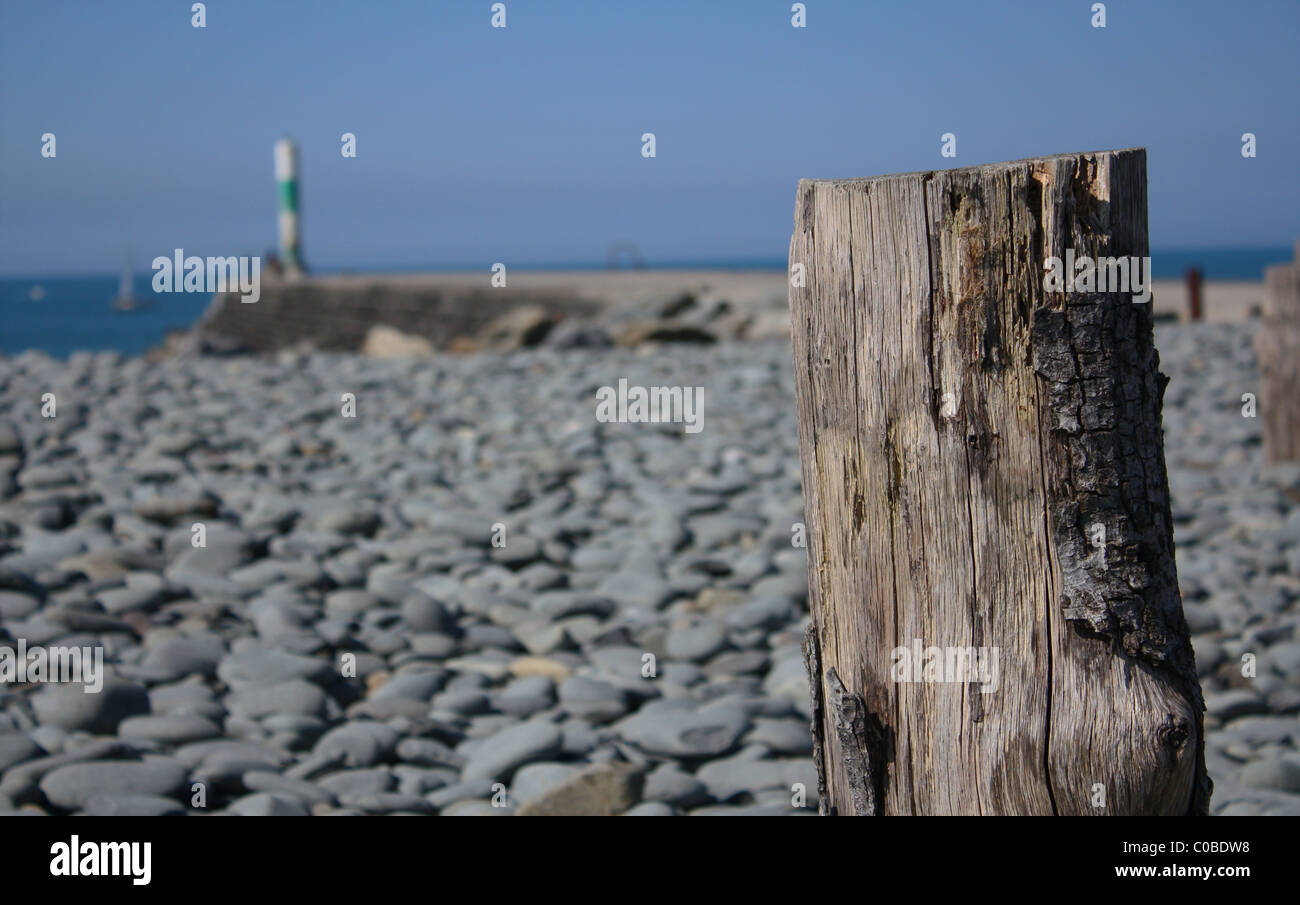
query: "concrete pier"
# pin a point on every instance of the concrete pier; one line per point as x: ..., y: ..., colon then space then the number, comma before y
x: 337, y: 312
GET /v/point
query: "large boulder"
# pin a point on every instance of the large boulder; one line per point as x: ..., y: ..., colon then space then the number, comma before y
x: 518, y: 328
x: 386, y: 342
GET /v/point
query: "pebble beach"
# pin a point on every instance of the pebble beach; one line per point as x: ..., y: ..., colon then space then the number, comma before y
x: 473, y: 597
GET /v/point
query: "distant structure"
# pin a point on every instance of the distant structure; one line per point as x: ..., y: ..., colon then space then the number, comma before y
x: 1194, y: 293
x: 621, y: 249
x: 286, y: 177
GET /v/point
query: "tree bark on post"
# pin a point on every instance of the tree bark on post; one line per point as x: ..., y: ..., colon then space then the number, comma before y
x: 984, y: 476
x: 1277, y: 345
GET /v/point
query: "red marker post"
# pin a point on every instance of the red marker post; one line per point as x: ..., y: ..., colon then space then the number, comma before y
x: 1194, y: 293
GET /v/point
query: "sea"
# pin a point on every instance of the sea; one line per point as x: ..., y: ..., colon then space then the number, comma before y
x: 59, y: 315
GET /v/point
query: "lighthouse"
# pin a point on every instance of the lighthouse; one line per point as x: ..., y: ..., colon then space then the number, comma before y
x: 286, y: 178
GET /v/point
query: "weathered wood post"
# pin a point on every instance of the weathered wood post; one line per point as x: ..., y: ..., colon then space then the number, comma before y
x: 1277, y: 345
x: 996, y: 623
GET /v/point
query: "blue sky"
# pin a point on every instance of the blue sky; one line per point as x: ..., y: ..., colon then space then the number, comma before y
x: 522, y: 144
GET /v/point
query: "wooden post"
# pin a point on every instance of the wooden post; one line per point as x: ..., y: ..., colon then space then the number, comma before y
x: 1194, y: 293
x: 984, y: 475
x: 1277, y: 345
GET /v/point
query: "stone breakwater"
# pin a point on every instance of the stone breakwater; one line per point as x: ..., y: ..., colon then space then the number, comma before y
x: 349, y: 639
x: 419, y: 314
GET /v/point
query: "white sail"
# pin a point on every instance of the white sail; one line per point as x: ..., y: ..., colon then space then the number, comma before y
x: 126, y: 300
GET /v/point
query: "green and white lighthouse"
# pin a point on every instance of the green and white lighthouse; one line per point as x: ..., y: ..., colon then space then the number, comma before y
x: 286, y: 178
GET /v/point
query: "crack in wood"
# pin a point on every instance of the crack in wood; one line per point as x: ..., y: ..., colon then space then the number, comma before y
x: 861, y: 746
x: 812, y: 664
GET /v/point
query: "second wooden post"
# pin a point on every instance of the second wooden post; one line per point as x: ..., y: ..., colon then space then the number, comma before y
x: 1278, y: 346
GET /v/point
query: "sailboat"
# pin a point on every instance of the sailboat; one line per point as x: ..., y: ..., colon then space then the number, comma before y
x: 126, y: 300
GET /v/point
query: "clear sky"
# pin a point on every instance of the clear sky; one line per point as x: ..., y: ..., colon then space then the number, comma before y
x: 523, y: 144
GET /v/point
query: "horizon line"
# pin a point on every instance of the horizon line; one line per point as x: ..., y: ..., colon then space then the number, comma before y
x: 719, y: 263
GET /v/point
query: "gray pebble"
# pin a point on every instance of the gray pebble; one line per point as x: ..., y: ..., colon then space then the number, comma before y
x: 682, y: 729
x: 114, y: 805
x: 71, y: 787
x: 16, y: 748
x: 1282, y: 775
x: 173, y: 729
x: 511, y: 749
x: 70, y: 707
x: 263, y: 804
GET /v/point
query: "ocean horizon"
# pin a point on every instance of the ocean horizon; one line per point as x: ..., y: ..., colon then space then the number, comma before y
x: 60, y: 315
